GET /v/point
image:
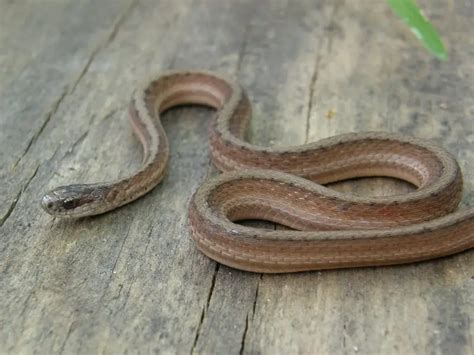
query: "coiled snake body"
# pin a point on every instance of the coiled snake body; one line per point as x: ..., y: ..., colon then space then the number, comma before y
x: 284, y: 185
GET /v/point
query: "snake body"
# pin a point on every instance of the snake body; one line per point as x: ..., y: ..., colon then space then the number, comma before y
x: 329, y: 229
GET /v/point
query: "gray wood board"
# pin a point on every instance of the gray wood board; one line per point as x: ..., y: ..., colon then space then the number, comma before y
x: 132, y: 280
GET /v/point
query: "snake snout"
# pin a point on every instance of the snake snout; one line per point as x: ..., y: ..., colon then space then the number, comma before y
x: 49, y: 202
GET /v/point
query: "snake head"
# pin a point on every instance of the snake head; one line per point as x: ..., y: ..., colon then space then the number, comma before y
x: 72, y: 200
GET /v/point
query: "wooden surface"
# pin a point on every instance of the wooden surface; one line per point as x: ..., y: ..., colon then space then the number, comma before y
x: 132, y: 281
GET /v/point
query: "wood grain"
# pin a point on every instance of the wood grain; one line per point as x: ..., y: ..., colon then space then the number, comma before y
x: 132, y: 280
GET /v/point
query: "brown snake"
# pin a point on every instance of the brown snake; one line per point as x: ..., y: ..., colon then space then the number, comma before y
x: 330, y: 229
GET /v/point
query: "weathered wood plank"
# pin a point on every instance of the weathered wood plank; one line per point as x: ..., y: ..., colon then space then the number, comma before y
x: 372, y: 77
x: 280, y: 92
x: 46, y: 48
x: 132, y: 280
x: 91, y: 115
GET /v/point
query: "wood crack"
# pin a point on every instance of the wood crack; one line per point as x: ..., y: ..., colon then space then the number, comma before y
x: 314, y: 77
x: 12, y: 206
x: 83, y: 136
x: 10, y: 209
x: 68, y: 334
x: 213, y: 283
x: 254, y: 306
x: 332, y: 23
x: 76, y: 143
x: 120, y: 251
x: 205, y: 308
x: 38, y: 133
x: 312, y: 86
x: 126, y: 294
x: 103, y: 44
x: 243, y: 46
x: 84, y: 70
x: 148, y: 242
x: 244, y: 335
x: 198, y: 330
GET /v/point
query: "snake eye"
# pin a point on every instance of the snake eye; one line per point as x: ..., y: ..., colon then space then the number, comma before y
x: 69, y: 203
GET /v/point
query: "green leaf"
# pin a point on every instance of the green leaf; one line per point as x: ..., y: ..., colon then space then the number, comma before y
x: 419, y: 25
